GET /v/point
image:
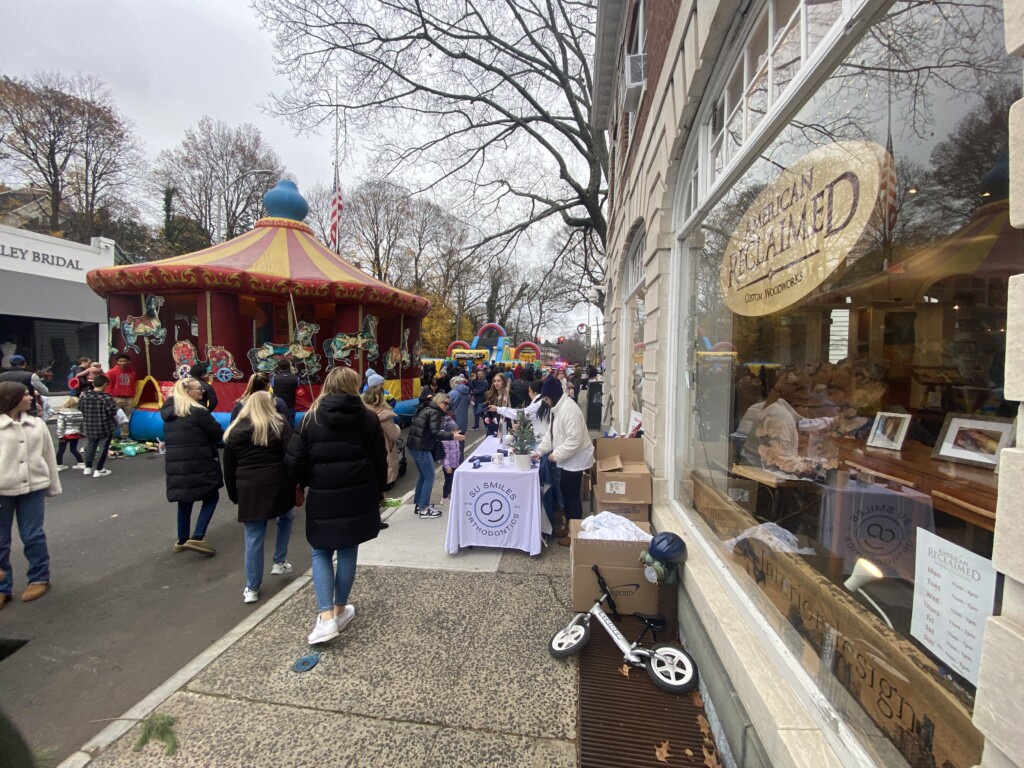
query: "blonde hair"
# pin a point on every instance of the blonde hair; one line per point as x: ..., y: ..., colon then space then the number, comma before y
x: 70, y: 404
x: 183, y: 402
x: 261, y: 411
x: 374, y: 396
x: 441, y: 398
x: 342, y: 380
x: 258, y: 382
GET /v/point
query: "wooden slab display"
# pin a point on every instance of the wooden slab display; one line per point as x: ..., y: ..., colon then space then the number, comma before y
x: 852, y: 654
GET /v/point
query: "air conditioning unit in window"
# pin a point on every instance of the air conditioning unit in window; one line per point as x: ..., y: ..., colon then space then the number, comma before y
x: 634, y: 76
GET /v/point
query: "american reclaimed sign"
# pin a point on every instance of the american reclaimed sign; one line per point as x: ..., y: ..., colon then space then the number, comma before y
x: 801, y: 227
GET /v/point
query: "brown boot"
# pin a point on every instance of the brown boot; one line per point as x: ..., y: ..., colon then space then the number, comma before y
x: 560, y: 526
x: 34, y: 591
x: 565, y: 541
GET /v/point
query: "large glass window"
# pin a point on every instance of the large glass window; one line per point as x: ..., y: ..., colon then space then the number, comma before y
x: 847, y: 311
x: 778, y: 46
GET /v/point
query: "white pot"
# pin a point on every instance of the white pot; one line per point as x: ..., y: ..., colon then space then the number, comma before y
x: 522, y: 462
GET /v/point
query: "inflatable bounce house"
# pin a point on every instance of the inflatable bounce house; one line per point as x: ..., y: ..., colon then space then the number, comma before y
x: 272, y: 294
x: 500, y: 351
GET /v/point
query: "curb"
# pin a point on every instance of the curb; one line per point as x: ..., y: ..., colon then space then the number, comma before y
x: 101, y: 741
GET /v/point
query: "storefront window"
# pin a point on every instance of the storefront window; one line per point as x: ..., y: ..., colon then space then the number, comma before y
x: 847, y: 307
x: 636, y: 314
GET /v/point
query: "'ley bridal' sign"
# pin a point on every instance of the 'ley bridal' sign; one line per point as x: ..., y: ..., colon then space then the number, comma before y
x: 954, y: 592
x: 801, y: 227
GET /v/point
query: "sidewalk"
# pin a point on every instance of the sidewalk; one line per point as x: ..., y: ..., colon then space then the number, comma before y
x: 445, y: 665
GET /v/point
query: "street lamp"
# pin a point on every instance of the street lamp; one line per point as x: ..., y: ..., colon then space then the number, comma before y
x: 220, y: 197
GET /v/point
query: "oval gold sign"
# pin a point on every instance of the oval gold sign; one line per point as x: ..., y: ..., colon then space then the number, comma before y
x: 801, y: 227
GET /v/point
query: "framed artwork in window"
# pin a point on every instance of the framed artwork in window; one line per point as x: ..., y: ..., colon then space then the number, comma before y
x: 972, y: 439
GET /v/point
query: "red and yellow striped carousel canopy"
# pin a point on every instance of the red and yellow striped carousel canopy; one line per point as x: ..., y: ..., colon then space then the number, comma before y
x: 279, y: 257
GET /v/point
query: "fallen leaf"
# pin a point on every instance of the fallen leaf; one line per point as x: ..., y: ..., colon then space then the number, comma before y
x: 711, y: 759
x: 698, y: 700
x: 661, y: 752
x: 705, y: 727
x: 688, y: 752
x: 624, y: 670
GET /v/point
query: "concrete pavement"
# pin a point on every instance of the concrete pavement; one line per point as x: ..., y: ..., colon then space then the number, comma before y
x: 445, y: 664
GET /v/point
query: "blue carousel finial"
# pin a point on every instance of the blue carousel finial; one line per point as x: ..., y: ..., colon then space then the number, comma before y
x: 285, y: 202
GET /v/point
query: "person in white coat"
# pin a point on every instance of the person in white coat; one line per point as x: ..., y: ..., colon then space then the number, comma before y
x: 567, y: 444
x: 28, y: 474
x: 532, y: 411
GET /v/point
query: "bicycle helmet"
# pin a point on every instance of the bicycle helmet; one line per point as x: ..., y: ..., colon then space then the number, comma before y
x: 667, y: 548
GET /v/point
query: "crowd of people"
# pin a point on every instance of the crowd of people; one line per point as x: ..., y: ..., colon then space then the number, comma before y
x: 337, y: 462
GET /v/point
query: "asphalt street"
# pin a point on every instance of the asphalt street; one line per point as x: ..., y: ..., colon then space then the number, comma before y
x: 123, y: 613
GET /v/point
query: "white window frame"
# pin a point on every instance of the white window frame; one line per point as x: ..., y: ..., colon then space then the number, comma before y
x: 816, y: 65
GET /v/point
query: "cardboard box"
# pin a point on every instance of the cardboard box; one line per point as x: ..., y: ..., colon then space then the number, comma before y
x: 744, y: 493
x: 638, y: 513
x: 621, y: 475
x: 619, y: 564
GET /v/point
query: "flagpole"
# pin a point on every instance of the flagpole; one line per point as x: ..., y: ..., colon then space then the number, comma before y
x: 337, y: 168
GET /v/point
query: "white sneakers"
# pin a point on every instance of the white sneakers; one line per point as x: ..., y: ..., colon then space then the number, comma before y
x: 61, y: 467
x: 279, y: 569
x: 250, y: 595
x: 79, y: 465
x: 100, y: 473
x: 345, y: 617
x: 325, y: 629
x: 87, y: 471
x: 426, y: 513
x: 328, y: 629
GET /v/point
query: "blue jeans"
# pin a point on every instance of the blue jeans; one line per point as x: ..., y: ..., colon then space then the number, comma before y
x: 28, y: 509
x: 202, y: 522
x: 424, y: 462
x: 255, y: 531
x: 332, y: 587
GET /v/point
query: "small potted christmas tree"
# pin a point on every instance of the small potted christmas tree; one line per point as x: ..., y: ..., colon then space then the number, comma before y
x: 523, y: 441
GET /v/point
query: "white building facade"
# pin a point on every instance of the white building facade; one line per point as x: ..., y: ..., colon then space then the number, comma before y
x: 48, y: 314
x: 814, y: 304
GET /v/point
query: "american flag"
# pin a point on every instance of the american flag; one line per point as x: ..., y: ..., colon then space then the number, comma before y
x: 889, y: 201
x: 336, y: 208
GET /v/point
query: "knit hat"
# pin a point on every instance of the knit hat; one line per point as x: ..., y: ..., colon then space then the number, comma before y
x: 552, y: 388
x: 17, y: 360
x: 374, y: 379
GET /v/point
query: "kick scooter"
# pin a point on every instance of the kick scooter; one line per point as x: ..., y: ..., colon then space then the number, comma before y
x: 672, y: 669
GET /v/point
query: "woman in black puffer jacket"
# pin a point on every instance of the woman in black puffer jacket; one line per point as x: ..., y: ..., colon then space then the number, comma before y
x: 192, y: 463
x: 426, y: 430
x: 260, y: 484
x: 338, y: 453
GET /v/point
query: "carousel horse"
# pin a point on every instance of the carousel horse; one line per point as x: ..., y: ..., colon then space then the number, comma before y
x: 341, y: 346
x: 417, y: 353
x: 266, y: 357
x: 112, y: 323
x: 144, y: 325
x: 398, y: 356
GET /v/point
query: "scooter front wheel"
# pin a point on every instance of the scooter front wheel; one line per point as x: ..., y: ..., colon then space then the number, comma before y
x: 569, y: 640
x: 672, y: 669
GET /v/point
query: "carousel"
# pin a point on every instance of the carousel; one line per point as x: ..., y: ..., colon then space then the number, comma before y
x: 270, y: 295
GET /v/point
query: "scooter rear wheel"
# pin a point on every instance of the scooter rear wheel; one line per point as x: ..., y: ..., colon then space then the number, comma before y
x: 569, y: 640
x: 672, y: 670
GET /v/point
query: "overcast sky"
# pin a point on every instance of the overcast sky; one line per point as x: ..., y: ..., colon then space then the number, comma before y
x: 167, y: 63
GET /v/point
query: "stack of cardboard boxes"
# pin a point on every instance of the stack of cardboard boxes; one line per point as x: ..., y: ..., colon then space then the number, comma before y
x: 621, y: 483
